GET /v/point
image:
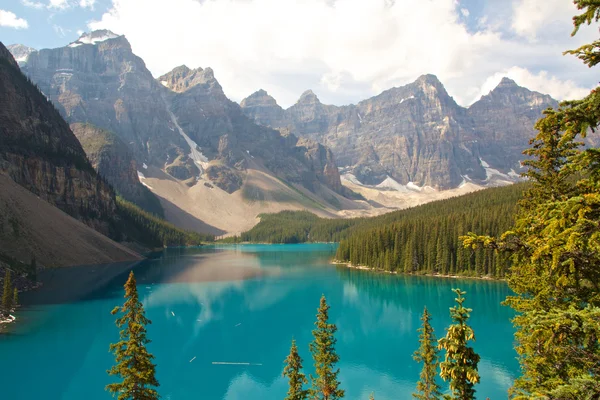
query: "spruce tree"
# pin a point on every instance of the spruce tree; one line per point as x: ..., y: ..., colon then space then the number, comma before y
x: 325, y: 386
x: 15, y: 301
x: 555, y: 248
x: 133, y: 361
x: 460, y: 363
x: 7, y: 293
x: 293, y: 371
x: 427, y: 387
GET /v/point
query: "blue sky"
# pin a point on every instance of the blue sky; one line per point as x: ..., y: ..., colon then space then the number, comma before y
x: 344, y: 50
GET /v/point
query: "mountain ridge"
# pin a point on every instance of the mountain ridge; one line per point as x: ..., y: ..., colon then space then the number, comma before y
x: 416, y: 133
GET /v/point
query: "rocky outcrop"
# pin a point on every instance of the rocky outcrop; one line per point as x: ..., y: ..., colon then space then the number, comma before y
x: 39, y: 152
x: 231, y: 141
x: 416, y: 133
x: 20, y: 52
x: 503, y: 122
x: 98, y: 80
x: 114, y: 161
x: 182, y: 122
x: 182, y: 78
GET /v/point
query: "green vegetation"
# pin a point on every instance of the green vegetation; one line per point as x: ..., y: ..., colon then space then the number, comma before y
x: 460, y: 364
x: 427, y: 387
x: 555, y: 249
x: 491, y: 208
x: 425, y: 239
x: 7, y: 294
x: 296, y: 378
x: 133, y: 361
x: 20, y: 268
x: 325, y: 385
x: 149, y: 230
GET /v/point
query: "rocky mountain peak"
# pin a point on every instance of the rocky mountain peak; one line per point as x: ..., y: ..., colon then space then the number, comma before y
x: 20, y: 52
x: 308, y: 97
x: 182, y: 78
x: 507, y: 83
x: 429, y: 79
x: 259, y: 98
x: 95, y: 37
x: 6, y: 55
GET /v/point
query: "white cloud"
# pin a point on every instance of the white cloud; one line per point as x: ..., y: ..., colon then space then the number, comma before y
x: 345, y: 50
x: 67, y: 4
x: 60, y: 31
x: 87, y: 4
x: 533, y: 17
x: 33, y: 4
x: 465, y: 12
x: 10, y: 20
x: 58, y: 4
x: 541, y: 82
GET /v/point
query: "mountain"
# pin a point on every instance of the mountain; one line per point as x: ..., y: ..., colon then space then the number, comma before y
x: 416, y: 135
x: 42, y: 165
x: 114, y: 161
x: 39, y: 152
x: 20, y: 52
x: 199, y: 148
x: 98, y: 80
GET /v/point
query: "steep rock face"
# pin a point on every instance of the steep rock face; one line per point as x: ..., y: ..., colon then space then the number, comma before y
x: 416, y: 133
x: 232, y: 141
x: 263, y: 108
x: 39, y: 152
x: 503, y: 121
x: 97, y: 79
x: 182, y: 78
x: 412, y: 134
x: 113, y: 160
x: 20, y: 52
x: 181, y: 122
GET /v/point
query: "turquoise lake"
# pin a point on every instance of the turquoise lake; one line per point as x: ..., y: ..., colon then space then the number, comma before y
x: 244, y: 304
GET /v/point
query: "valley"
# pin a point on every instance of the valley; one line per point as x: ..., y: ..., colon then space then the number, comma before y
x: 214, y: 165
x: 163, y: 234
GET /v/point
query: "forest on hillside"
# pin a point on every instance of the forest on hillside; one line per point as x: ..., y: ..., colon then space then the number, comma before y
x: 423, y: 239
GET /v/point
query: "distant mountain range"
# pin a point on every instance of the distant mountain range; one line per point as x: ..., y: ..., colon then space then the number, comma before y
x: 416, y: 135
x: 187, y: 140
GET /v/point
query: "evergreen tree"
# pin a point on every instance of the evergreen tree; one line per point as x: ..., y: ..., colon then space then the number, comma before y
x: 427, y: 387
x: 460, y: 363
x: 133, y: 361
x: 7, y: 293
x: 15, y: 301
x: 293, y: 371
x: 555, y: 248
x: 325, y: 386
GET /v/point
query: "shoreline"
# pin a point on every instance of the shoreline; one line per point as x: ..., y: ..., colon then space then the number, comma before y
x: 365, y: 268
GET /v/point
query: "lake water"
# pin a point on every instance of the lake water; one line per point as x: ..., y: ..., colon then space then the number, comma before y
x: 244, y: 304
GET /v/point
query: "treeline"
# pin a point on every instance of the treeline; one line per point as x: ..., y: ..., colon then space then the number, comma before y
x: 151, y: 231
x: 426, y: 239
x: 419, y: 239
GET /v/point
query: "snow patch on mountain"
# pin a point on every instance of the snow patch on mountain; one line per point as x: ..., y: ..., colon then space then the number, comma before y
x: 94, y: 37
x: 408, y: 98
x: 195, y: 154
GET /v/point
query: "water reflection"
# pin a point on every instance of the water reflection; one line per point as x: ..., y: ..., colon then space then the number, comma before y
x: 245, y: 304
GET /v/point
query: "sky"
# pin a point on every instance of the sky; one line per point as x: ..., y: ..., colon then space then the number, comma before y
x: 343, y: 50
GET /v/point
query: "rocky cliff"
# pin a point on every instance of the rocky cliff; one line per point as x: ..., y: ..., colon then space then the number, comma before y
x: 98, y: 80
x: 417, y: 135
x: 230, y: 140
x: 114, y: 161
x: 181, y: 123
x: 39, y: 152
x: 20, y: 52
